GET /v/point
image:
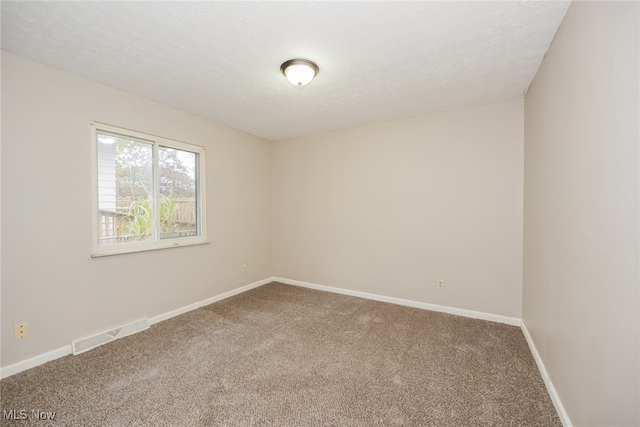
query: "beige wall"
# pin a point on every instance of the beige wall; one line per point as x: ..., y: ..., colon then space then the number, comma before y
x: 48, y: 278
x: 387, y: 209
x: 581, y: 213
x: 391, y: 208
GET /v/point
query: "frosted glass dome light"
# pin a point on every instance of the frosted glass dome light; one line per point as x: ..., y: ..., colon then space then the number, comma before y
x: 299, y: 71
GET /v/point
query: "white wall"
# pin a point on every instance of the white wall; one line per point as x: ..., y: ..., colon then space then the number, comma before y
x: 48, y: 278
x: 391, y: 208
x: 581, y: 284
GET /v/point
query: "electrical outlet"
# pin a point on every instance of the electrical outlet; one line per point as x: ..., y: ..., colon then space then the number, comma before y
x: 440, y: 284
x: 21, y: 331
x: 244, y: 268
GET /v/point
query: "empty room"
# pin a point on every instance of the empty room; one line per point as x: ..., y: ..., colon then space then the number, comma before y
x: 293, y: 213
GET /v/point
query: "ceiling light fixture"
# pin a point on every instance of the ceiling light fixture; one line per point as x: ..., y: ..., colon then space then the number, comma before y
x: 299, y: 71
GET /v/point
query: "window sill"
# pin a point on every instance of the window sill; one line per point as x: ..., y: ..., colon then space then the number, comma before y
x: 137, y: 249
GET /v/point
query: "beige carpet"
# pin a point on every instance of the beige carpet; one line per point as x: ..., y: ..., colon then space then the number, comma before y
x: 281, y: 355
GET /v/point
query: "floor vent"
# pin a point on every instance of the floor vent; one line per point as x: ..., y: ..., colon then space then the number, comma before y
x: 86, y: 344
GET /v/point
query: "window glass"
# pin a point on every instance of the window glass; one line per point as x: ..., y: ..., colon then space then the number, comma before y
x: 150, y: 192
x: 178, y: 208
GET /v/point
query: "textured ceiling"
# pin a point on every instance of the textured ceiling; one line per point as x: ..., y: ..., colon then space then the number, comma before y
x: 378, y: 61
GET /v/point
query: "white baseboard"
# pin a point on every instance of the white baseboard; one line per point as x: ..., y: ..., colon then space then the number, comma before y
x: 32, y: 362
x: 562, y: 413
x: 195, y: 305
x: 514, y: 321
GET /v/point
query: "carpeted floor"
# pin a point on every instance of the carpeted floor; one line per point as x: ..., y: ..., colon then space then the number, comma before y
x: 280, y: 355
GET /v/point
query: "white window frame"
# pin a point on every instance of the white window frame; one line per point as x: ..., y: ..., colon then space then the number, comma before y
x: 156, y: 243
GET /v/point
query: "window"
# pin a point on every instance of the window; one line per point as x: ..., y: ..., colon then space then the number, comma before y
x: 148, y: 192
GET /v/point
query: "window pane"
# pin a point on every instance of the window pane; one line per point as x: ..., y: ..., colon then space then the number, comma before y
x: 125, y: 188
x: 178, y: 209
